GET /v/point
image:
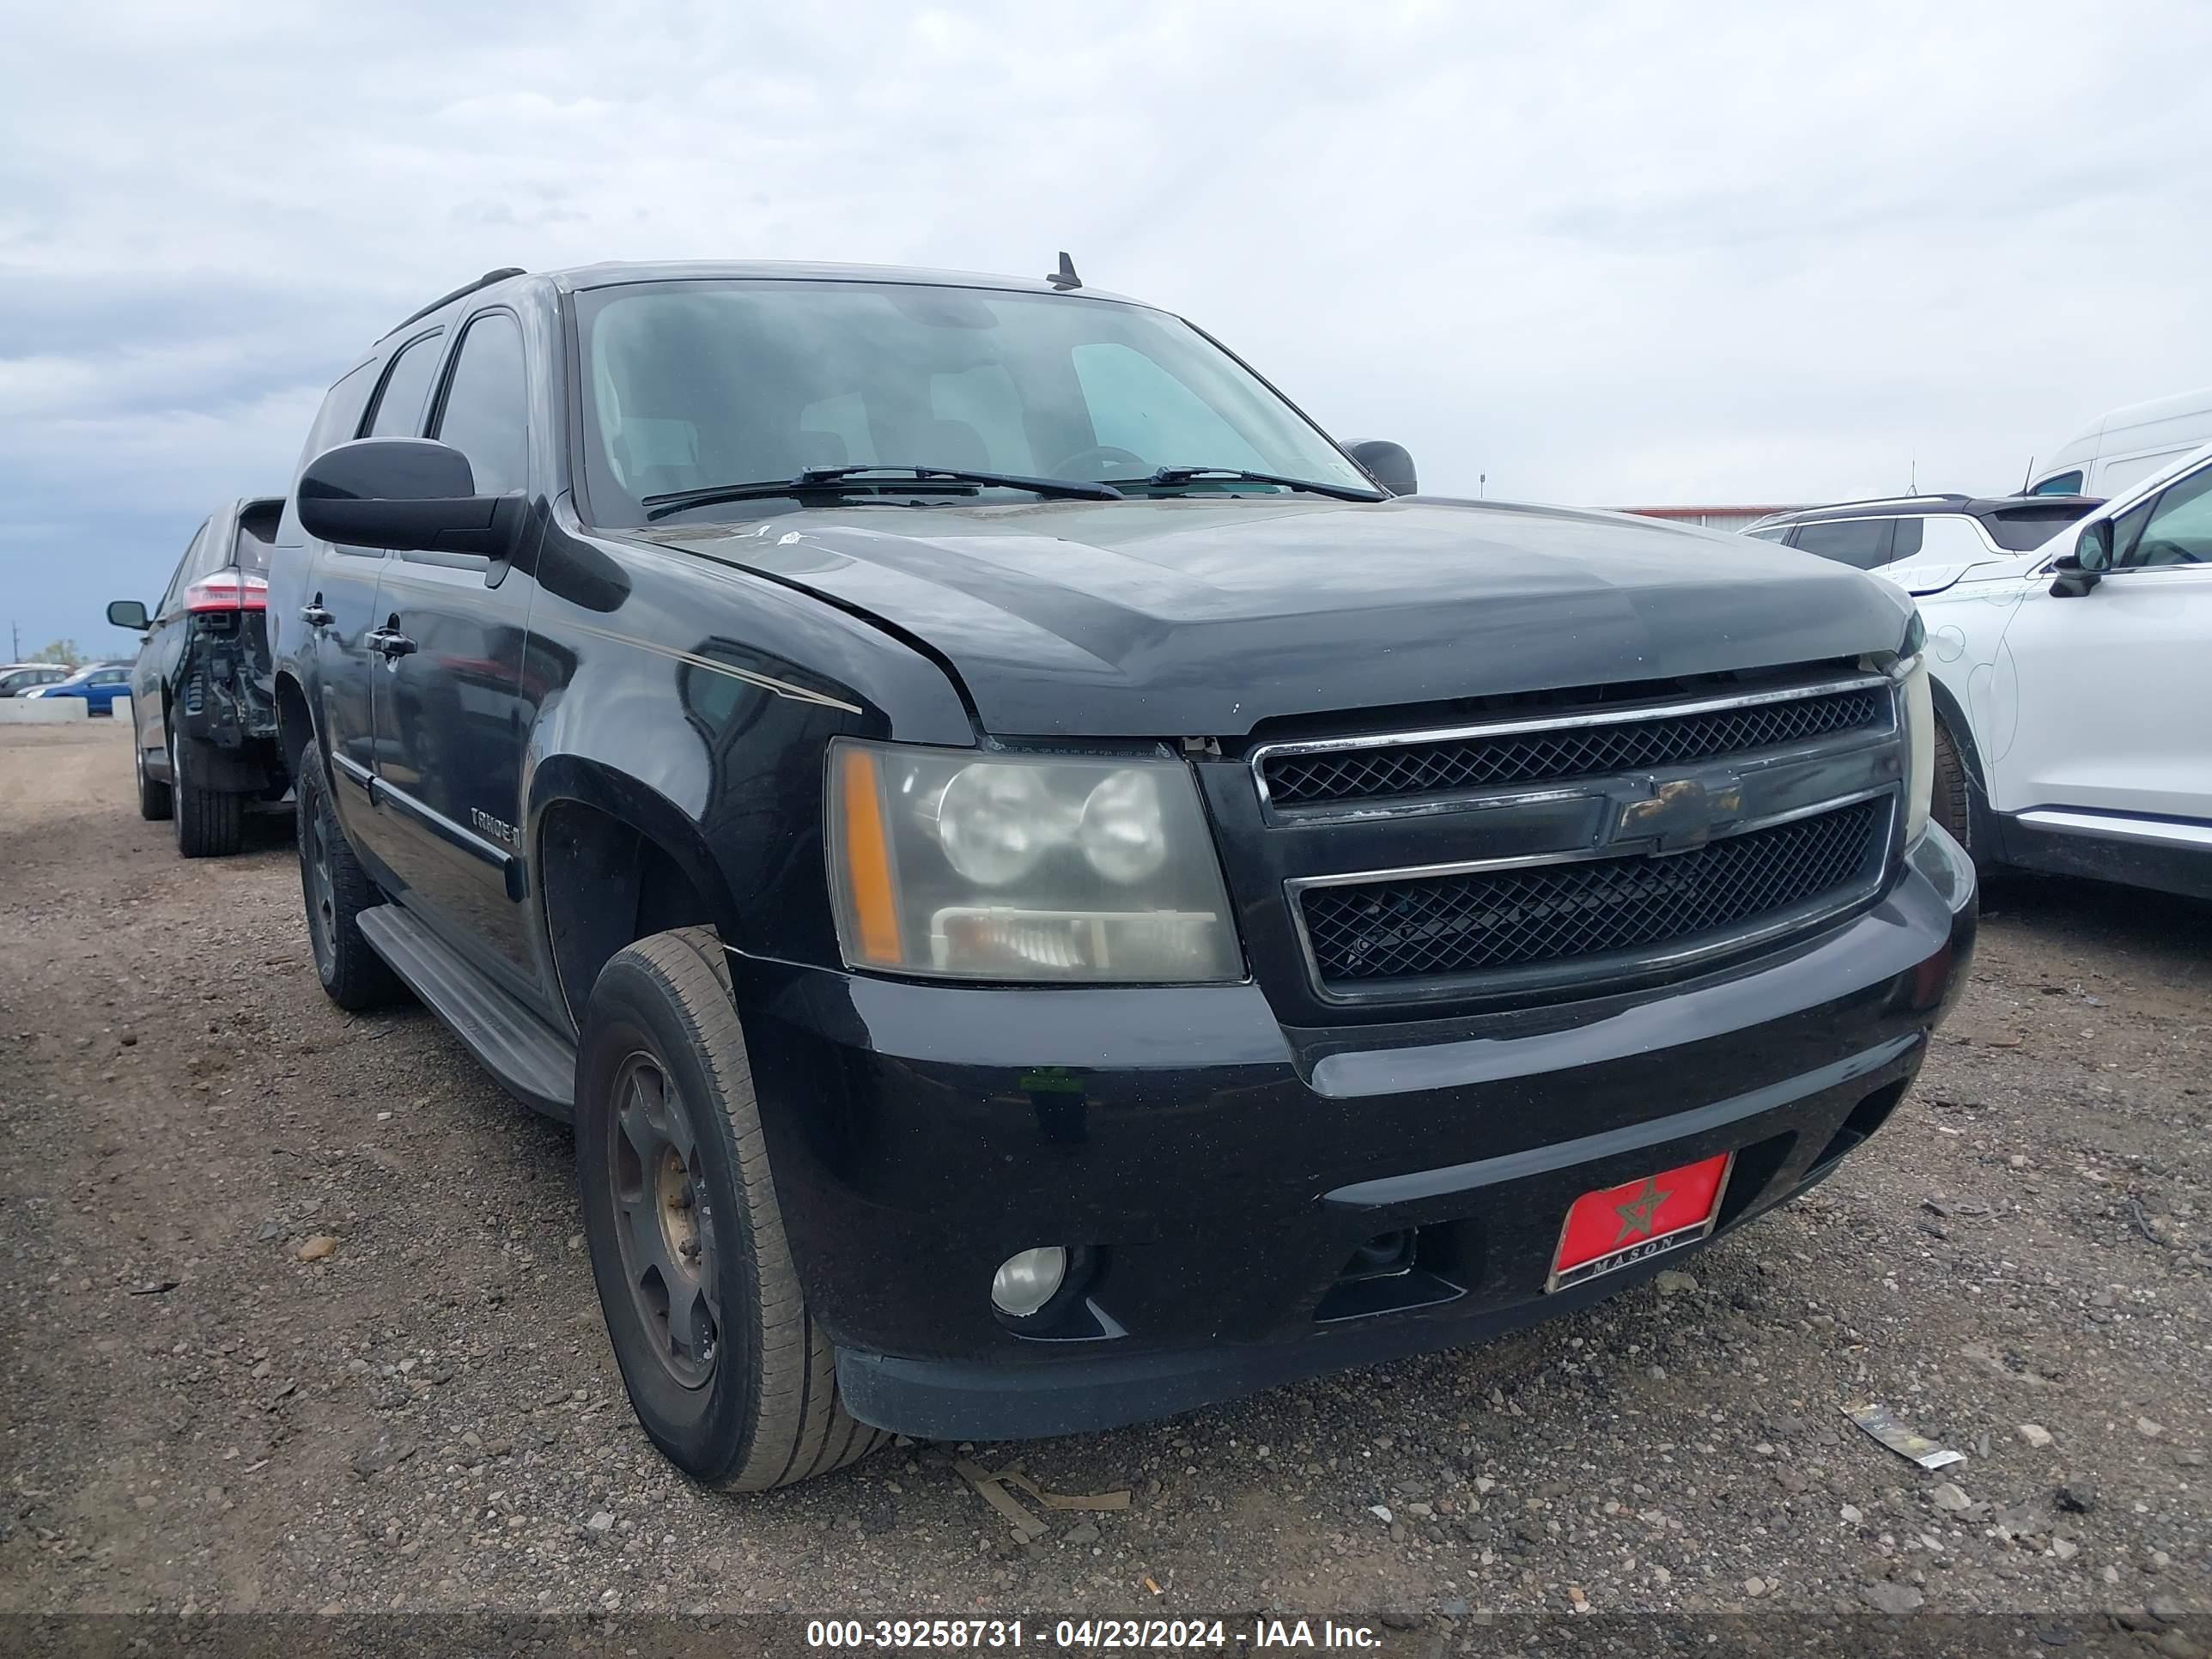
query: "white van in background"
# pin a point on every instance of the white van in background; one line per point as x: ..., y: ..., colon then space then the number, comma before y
x: 2127, y: 447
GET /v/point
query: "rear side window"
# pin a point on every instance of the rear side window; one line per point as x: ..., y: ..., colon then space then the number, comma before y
x: 398, y: 411
x: 1947, y: 536
x: 338, y: 420
x: 184, y: 572
x: 487, y: 411
x: 1864, y: 543
x: 210, y: 553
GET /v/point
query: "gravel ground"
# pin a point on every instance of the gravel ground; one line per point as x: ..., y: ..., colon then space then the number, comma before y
x: 294, y: 1315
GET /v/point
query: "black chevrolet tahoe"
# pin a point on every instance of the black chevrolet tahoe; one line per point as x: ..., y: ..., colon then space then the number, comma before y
x: 1052, y: 892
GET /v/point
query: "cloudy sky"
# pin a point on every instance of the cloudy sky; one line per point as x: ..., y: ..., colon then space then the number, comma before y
x: 1610, y: 253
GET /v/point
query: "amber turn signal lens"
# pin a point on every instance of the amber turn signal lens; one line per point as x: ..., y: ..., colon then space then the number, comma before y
x: 867, y: 857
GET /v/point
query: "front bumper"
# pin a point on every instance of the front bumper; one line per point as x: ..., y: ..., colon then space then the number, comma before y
x: 1223, y: 1170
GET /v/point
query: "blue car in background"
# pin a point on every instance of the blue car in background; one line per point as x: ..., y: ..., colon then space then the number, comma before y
x: 99, y: 684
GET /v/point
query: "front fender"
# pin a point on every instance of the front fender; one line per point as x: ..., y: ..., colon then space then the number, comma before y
x: 694, y: 701
x: 727, y: 783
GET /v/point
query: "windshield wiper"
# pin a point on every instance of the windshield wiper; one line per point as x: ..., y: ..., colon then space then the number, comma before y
x: 843, y: 480
x: 1168, y: 476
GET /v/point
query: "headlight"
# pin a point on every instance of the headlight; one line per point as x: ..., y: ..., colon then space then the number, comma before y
x: 1918, y: 707
x: 1029, y: 867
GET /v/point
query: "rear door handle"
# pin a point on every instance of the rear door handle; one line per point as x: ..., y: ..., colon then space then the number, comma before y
x: 391, y: 642
x: 315, y: 617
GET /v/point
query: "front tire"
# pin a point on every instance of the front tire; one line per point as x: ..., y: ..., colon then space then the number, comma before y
x: 727, y: 1373
x: 336, y: 891
x: 210, y: 822
x: 1951, y: 805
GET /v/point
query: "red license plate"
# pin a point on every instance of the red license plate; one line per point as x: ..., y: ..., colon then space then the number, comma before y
x: 1618, y: 1226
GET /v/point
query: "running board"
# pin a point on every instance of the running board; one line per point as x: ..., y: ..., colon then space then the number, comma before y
x: 531, y: 1061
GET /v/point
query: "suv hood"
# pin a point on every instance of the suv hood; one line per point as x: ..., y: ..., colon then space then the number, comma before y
x: 1202, y: 617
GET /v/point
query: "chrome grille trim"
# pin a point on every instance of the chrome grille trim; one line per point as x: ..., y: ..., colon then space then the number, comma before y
x: 1540, y: 789
x: 1596, y: 973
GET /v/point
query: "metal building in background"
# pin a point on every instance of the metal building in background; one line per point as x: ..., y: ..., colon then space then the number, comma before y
x: 1713, y: 518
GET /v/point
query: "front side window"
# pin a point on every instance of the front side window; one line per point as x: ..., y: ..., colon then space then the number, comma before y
x: 1775, y: 534
x: 2060, y: 484
x: 2178, y: 530
x: 487, y: 409
x: 692, y: 385
x: 1864, y: 543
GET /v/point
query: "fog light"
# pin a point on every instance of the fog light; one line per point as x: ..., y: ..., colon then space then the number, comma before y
x: 1028, y: 1280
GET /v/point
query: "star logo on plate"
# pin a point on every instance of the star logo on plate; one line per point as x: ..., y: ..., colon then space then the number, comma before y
x: 1640, y: 1212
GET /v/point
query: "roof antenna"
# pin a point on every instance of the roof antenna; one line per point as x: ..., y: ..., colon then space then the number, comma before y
x: 1065, y: 279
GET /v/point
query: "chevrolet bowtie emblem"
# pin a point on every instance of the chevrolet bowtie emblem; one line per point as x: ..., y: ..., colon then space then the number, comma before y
x: 1682, y: 812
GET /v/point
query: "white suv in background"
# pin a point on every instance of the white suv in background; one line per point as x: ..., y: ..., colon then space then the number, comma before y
x: 2073, y: 690
x: 1922, y: 529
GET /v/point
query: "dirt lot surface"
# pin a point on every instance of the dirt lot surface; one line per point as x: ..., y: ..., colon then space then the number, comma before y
x: 427, y: 1416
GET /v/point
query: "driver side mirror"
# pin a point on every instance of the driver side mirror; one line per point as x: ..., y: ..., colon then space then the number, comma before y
x: 1388, y: 463
x: 127, y: 613
x: 2073, y: 574
x: 411, y: 494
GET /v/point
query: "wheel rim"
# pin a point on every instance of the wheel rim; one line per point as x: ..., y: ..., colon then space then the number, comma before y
x: 315, y: 867
x: 177, y: 785
x: 664, y: 1222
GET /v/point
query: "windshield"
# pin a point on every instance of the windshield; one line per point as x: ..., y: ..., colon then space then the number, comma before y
x: 692, y: 385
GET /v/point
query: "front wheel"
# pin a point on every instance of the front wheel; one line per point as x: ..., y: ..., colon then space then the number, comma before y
x: 1951, y: 805
x: 728, y: 1375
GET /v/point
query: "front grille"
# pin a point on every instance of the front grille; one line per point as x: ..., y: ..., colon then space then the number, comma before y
x: 1489, y: 921
x: 1558, y: 753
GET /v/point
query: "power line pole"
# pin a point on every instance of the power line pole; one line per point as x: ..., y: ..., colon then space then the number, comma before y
x: 14, y: 642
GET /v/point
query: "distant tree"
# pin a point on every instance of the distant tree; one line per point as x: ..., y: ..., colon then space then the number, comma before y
x: 63, y: 651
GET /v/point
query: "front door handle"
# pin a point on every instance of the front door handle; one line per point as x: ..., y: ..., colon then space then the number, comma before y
x: 315, y: 616
x: 392, y: 643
